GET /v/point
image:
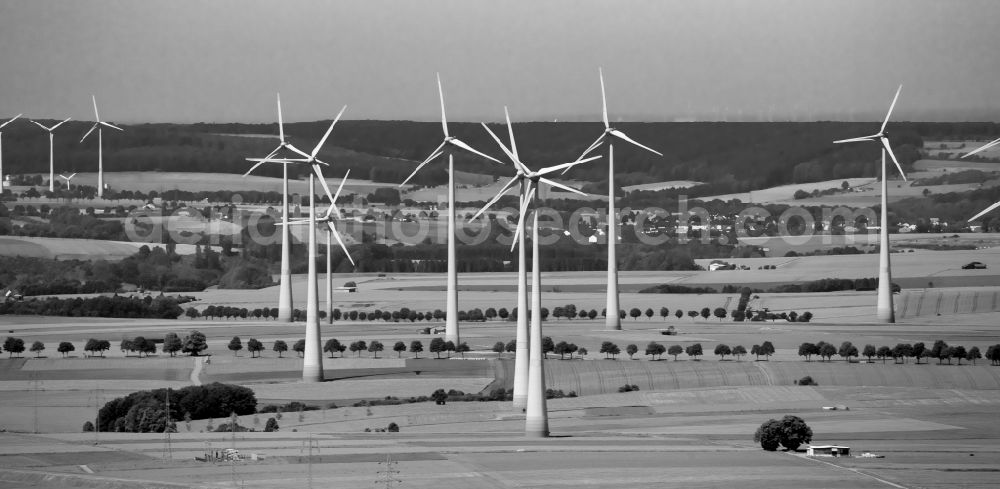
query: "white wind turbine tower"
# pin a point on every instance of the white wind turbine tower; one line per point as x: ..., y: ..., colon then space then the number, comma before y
x: 312, y: 364
x: 285, y: 282
x: 521, y: 338
x: 52, y: 158
x: 1, y: 148
x: 67, y: 178
x: 330, y: 218
x: 884, y: 309
x: 536, y: 422
x: 611, y: 319
x: 447, y: 146
x: 100, y: 146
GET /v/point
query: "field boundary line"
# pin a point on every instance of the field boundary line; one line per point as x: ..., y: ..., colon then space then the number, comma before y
x: 767, y: 375
x: 196, y: 371
x: 856, y: 471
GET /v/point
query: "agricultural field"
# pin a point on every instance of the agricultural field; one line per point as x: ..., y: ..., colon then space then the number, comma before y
x: 74, y: 249
x: 652, y: 187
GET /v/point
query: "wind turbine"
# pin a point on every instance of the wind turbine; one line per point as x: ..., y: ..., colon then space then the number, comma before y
x: 532, y: 378
x: 64, y: 177
x: 1, y: 149
x: 330, y: 218
x: 52, y: 158
x: 983, y: 147
x: 884, y: 309
x: 312, y: 364
x: 611, y: 319
x: 100, y: 146
x: 285, y: 283
x: 447, y: 146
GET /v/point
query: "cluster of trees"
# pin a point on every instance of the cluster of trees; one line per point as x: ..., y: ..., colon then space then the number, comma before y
x: 61, y: 222
x: 162, y: 307
x: 899, y: 353
x: 193, y: 344
x: 790, y: 432
x: 146, y: 411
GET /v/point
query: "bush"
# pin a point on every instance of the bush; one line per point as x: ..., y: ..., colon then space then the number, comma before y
x: 807, y: 380
x: 392, y: 428
x: 271, y: 425
x: 628, y: 388
x: 291, y: 406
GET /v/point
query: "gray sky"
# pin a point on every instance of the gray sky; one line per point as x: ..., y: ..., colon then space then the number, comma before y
x: 187, y: 61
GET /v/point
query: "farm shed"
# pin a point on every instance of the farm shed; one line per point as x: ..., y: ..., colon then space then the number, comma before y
x: 828, y: 451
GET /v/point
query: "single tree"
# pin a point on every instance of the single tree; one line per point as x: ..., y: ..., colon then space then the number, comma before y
x: 694, y: 350
x: 511, y: 347
x: 739, y: 351
x: 827, y: 351
x: 332, y: 345
x: 692, y: 314
x: 437, y: 346
x: 606, y: 348
x: 869, y: 351
x: 958, y: 352
x: 462, y: 348
x: 235, y: 345
x: 548, y: 346
x: 280, y: 347
x: 847, y: 350
x: 705, y: 313
x: 768, y: 434
x: 719, y: 312
x: 973, y: 354
x: 271, y: 425
x: 498, y: 348
x: 374, y: 347
x: 807, y: 350
x: 918, y: 351
x: 358, y: 347
x: 631, y: 349
x: 194, y: 343
x: 679, y: 314
x: 399, y: 347
x: 254, y: 346
x: 449, y: 346
x: 675, y: 350
x: 766, y: 349
x: 172, y: 344
x: 66, y: 347
x: 416, y: 347
x: 883, y: 352
x: 664, y: 312
x: 655, y: 349
x: 38, y: 346
x: 722, y: 350
x: 300, y: 347
x: 649, y: 313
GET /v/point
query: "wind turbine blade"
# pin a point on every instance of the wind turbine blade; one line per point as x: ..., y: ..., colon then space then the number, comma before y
x: 328, y: 131
x: 61, y: 123
x: 620, y: 135
x: 986, y: 210
x: 297, y: 150
x: 90, y: 131
x: 322, y: 182
x: 885, y: 143
x: 293, y: 223
x: 597, y: 142
x: 97, y: 118
x: 460, y: 144
x: 281, y: 123
x: 604, y: 100
x: 336, y: 235
x: 559, y: 185
x: 550, y: 169
x: 112, y: 126
x: 12, y: 120
x: 339, y: 188
x: 40, y: 125
x: 261, y: 162
x: 437, y: 152
x: 495, y: 198
x: 510, y: 132
x: 499, y: 142
x: 854, y: 140
x: 970, y: 153
x: 444, y: 120
x: 886, y: 121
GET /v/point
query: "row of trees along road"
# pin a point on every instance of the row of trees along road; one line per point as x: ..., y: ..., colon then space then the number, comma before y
x: 899, y: 353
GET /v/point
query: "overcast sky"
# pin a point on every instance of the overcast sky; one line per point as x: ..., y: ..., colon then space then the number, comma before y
x: 663, y: 60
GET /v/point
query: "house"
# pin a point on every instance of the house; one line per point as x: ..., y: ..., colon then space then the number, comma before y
x: 828, y: 451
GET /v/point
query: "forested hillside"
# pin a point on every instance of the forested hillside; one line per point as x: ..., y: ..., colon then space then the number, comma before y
x: 733, y: 157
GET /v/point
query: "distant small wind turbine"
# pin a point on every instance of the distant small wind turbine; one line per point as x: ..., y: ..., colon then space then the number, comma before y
x: 884, y: 309
x: 100, y: 145
x: 612, y: 320
x: 449, y: 144
x: 52, y: 158
x: 67, y: 178
x: 1, y: 148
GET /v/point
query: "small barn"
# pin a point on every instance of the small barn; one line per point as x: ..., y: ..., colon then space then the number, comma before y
x: 828, y: 451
